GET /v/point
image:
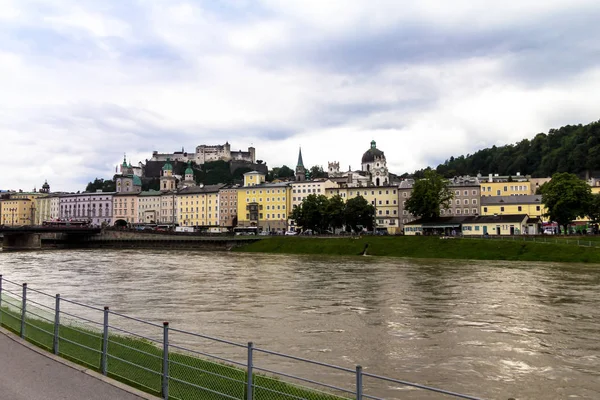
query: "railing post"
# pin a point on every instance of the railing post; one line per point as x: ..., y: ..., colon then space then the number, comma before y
x: 55, y: 338
x: 359, y: 383
x: 249, y: 385
x: 23, y: 310
x: 104, y: 358
x: 165, y: 368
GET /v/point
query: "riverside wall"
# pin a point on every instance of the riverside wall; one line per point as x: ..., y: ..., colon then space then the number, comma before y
x: 136, y: 240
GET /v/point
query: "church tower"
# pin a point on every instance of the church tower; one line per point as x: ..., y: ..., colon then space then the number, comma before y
x: 167, y: 179
x: 300, y: 170
x: 189, y: 177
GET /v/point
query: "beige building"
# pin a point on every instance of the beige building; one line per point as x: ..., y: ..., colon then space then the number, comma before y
x: 303, y: 189
x: 149, y: 204
x: 383, y: 198
x: 168, y: 205
x: 125, y: 208
x: 228, y: 207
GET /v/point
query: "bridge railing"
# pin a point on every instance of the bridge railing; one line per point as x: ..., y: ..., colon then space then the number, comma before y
x: 178, y: 364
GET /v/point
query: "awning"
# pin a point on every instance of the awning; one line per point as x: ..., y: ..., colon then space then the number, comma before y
x: 442, y: 226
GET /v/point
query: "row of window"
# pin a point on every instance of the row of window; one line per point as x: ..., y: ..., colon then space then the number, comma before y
x: 518, y: 188
x: 267, y: 191
x: 269, y: 216
x: 519, y: 208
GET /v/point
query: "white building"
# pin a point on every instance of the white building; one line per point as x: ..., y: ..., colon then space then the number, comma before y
x: 95, y: 207
x: 303, y: 189
x: 206, y: 153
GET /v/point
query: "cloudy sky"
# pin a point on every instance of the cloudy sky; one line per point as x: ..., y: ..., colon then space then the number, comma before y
x: 84, y: 81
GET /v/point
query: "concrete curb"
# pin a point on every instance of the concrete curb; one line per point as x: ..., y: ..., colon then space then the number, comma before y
x: 77, y: 367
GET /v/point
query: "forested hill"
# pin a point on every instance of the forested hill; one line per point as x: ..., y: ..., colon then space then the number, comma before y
x: 572, y: 148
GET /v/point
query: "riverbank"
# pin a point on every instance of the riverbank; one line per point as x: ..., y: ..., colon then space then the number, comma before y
x: 428, y: 247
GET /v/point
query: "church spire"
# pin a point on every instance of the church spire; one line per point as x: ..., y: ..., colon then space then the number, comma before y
x: 300, y: 162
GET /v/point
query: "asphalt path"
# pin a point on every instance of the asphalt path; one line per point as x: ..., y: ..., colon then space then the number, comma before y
x: 30, y: 374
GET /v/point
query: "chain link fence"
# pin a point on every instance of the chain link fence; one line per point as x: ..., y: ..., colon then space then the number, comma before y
x: 173, y: 363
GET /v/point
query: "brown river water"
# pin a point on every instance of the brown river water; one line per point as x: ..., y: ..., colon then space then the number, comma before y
x: 488, y: 329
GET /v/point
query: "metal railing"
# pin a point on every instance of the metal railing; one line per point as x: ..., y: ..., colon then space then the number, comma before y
x: 177, y: 364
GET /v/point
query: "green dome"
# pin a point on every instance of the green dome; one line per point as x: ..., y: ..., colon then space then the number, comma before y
x: 189, y: 170
x: 167, y: 166
x: 137, y: 181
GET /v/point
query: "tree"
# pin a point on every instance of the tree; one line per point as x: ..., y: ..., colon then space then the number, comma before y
x: 312, y: 213
x: 335, y: 212
x: 280, y: 173
x: 566, y: 197
x: 429, y: 194
x: 316, y: 172
x: 101, y: 184
x: 359, y: 214
x: 594, y: 209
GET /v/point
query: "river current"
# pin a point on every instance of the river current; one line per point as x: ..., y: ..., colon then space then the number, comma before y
x: 489, y: 329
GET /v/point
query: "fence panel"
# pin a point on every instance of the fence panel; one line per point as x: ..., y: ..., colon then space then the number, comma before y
x: 196, y: 366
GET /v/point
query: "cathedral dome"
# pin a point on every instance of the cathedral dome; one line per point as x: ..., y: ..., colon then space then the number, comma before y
x: 189, y: 170
x: 372, y: 153
x: 137, y: 181
x: 167, y: 166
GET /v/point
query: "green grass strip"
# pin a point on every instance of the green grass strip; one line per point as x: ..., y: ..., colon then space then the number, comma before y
x: 558, y: 250
x: 138, y: 363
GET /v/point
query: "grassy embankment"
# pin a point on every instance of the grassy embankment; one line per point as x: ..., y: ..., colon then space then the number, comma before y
x: 429, y: 247
x: 135, y: 353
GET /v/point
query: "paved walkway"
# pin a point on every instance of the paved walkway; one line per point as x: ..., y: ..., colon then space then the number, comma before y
x: 29, y: 373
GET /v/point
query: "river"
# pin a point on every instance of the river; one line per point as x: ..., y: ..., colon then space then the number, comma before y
x: 488, y: 329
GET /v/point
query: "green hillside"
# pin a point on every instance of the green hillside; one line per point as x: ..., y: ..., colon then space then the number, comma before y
x: 572, y: 148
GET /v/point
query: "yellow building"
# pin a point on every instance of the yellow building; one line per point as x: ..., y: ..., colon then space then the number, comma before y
x: 520, y: 188
x: 263, y: 205
x: 383, y: 198
x: 17, y: 211
x: 199, y: 206
x: 498, y: 225
x: 513, y: 205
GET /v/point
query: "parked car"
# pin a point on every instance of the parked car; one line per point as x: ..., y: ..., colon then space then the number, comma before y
x: 548, y: 231
x: 290, y: 233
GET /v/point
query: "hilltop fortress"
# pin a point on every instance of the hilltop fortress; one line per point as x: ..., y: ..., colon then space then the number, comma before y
x: 206, y: 153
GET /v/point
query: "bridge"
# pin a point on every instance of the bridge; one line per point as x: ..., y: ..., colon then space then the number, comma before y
x: 29, y: 237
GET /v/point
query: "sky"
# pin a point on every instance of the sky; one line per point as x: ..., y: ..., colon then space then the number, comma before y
x: 83, y: 82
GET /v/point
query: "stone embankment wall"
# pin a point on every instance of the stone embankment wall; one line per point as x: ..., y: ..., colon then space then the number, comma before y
x: 127, y: 239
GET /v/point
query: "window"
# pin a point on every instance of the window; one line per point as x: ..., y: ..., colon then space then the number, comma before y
x: 466, y: 202
x: 501, y: 209
x: 484, y: 209
x: 498, y: 192
x: 537, y: 208
x: 466, y: 193
x: 520, y: 208
x: 474, y: 201
x: 458, y: 202
x: 474, y: 211
x: 458, y: 211
x: 505, y: 188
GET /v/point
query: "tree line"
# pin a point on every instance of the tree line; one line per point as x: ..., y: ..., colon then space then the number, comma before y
x: 572, y: 148
x: 322, y: 214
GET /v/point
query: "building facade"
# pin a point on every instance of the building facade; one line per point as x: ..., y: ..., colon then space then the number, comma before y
x: 204, y: 154
x: 301, y: 190
x: 149, y: 206
x: 125, y: 208
x: 383, y: 198
x: 263, y: 205
x: 94, y: 207
x: 228, y: 207
x: 199, y: 207
x: 507, y: 205
x: 374, y: 165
